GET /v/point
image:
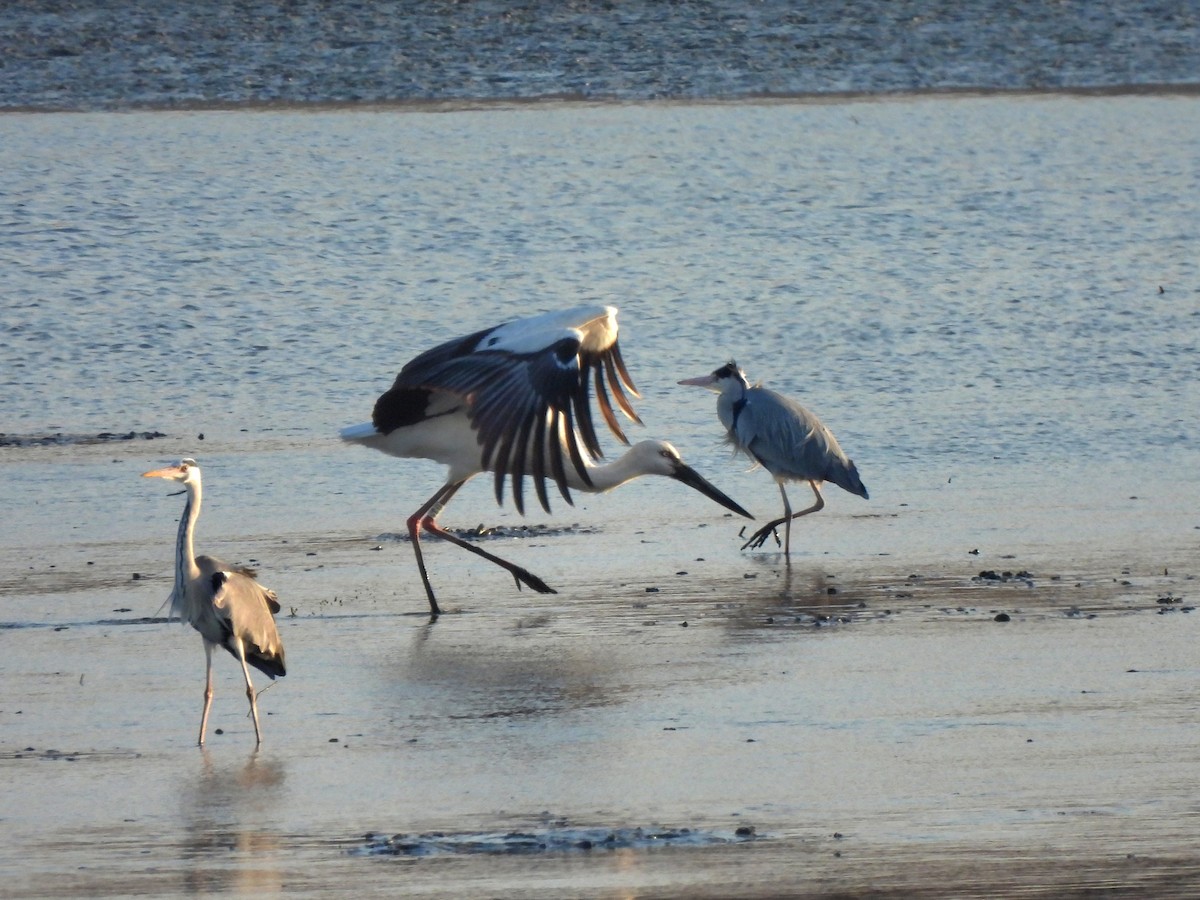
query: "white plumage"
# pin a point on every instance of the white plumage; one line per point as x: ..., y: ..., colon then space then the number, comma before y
x: 515, y: 400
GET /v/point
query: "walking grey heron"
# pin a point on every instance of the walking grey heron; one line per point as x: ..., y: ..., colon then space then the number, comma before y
x: 784, y: 438
x: 515, y: 400
x: 224, y: 603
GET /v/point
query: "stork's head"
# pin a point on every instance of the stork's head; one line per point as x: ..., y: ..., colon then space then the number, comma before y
x: 722, y: 379
x: 660, y: 458
x: 186, y: 473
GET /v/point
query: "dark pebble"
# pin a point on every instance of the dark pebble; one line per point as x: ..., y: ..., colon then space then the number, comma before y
x: 1003, y: 617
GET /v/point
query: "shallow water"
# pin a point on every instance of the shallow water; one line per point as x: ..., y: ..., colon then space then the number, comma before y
x: 993, y: 301
x: 993, y: 295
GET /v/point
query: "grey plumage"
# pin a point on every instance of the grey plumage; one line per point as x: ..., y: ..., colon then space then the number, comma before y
x: 783, y: 437
x: 224, y: 603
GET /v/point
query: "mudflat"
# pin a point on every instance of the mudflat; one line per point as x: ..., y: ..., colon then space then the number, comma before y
x: 805, y: 730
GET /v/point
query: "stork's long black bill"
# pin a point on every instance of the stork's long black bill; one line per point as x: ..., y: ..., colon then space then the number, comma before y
x: 694, y: 479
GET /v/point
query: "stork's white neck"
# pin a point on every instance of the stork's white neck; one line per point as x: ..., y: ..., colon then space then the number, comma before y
x: 607, y: 476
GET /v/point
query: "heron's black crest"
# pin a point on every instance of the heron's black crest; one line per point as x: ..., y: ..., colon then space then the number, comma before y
x: 729, y: 370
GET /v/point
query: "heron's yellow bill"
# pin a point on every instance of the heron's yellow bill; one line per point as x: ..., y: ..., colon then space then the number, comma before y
x: 168, y: 472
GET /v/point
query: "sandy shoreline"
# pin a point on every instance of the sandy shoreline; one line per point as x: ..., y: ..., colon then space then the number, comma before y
x: 883, y: 733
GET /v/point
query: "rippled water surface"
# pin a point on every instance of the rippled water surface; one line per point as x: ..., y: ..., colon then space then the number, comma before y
x: 995, y: 289
x: 141, y: 52
x: 993, y: 301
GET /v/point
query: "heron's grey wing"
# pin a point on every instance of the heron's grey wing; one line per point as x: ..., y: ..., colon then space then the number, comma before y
x: 245, y: 606
x: 788, y: 439
x: 821, y: 456
x: 769, y: 429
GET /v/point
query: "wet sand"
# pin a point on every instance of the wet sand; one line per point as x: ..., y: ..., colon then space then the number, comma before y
x: 872, y: 728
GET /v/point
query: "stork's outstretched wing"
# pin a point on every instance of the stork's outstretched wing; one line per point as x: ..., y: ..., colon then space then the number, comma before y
x: 527, y: 388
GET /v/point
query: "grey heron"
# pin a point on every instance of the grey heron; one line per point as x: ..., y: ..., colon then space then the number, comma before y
x: 514, y: 400
x: 222, y: 602
x: 784, y: 438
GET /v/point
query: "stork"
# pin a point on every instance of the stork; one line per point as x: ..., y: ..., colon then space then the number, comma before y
x: 514, y: 400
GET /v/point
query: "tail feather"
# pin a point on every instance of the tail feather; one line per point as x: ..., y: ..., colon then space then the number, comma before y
x: 359, y: 433
x: 270, y: 664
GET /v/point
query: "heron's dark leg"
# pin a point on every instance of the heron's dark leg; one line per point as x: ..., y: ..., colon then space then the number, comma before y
x: 787, y: 526
x: 241, y: 655
x: 424, y: 517
x: 760, y: 537
x: 208, y: 690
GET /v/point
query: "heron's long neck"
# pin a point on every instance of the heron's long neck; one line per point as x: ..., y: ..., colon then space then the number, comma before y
x: 185, y: 554
x: 730, y: 402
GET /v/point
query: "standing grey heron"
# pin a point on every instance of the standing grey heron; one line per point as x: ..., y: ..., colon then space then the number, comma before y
x: 784, y: 438
x: 515, y: 400
x: 224, y: 603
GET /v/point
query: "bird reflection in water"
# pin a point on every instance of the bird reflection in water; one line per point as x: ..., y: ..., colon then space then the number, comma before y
x: 229, y: 845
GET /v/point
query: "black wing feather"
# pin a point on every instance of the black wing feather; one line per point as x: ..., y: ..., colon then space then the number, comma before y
x: 530, y: 411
